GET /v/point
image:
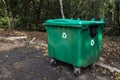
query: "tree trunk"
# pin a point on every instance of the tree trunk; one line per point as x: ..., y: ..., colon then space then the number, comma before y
x: 61, y: 9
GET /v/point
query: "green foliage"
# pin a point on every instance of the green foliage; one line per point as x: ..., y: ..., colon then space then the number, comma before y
x: 3, y: 22
x: 31, y: 14
x: 84, y: 9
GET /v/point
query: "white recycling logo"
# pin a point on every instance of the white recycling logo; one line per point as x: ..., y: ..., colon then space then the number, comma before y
x: 92, y: 42
x: 64, y: 35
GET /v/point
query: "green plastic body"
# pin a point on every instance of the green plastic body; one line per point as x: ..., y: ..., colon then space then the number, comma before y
x: 71, y: 41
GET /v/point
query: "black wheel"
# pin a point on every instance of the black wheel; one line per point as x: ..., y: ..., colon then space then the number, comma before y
x: 53, y: 62
x: 77, y: 71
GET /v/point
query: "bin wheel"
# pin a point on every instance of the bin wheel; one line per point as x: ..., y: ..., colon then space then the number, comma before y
x: 77, y: 71
x: 53, y: 61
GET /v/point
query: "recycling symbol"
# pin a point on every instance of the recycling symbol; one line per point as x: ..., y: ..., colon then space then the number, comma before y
x: 64, y: 35
x: 92, y: 42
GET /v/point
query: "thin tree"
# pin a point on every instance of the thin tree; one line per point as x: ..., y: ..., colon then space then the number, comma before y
x: 61, y: 9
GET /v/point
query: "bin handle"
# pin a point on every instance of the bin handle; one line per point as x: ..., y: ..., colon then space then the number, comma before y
x: 102, y: 19
x: 92, y: 19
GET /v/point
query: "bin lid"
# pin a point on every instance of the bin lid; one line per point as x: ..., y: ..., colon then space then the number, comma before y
x: 72, y: 22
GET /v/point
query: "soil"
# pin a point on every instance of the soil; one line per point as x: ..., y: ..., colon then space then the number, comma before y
x: 40, y: 36
x: 111, y: 52
x: 21, y: 61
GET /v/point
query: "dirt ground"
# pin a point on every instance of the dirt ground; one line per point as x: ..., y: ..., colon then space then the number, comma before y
x: 21, y: 61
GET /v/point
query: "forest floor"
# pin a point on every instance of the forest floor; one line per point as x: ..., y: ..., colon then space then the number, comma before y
x: 22, y: 61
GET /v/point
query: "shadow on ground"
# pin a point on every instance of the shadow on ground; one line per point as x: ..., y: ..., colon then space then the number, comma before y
x: 28, y: 63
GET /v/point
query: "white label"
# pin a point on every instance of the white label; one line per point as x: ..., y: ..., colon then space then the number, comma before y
x: 64, y: 35
x: 92, y: 42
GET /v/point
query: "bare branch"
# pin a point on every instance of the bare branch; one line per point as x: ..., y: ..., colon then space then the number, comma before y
x: 112, y: 69
x: 13, y: 38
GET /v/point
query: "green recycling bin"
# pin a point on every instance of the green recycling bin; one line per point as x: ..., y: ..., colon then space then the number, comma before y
x: 77, y: 42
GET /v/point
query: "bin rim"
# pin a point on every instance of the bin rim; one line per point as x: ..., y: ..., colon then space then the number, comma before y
x: 73, y: 23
